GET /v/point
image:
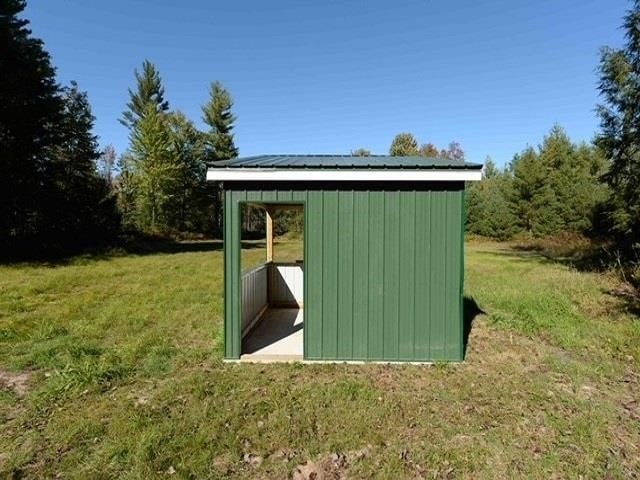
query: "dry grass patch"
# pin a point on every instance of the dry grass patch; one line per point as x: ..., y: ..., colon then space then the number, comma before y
x: 16, y: 382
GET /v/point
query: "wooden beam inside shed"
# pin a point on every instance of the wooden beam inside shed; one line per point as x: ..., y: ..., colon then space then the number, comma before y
x: 269, y: 222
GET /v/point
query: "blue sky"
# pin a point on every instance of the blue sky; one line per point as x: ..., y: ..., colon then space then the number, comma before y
x: 333, y: 75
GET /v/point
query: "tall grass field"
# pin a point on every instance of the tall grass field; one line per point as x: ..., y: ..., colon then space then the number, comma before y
x: 111, y: 367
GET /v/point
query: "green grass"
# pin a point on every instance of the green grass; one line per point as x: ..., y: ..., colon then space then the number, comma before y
x: 111, y: 367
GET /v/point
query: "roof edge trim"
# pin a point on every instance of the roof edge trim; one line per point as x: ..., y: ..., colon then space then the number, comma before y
x: 342, y: 175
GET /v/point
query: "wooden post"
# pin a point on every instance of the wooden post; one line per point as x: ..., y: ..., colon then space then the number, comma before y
x: 269, y: 222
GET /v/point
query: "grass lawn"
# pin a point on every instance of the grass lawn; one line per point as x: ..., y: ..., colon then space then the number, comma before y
x: 112, y: 367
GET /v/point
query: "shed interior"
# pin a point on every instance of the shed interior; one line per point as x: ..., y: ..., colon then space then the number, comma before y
x: 272, y: 299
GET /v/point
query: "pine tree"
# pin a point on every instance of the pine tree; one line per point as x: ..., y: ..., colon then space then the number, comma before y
x: 149, y: 91
x: 403, y: 144
x: 620, y: 124
x: 153, y: 169
x: 573, y: 173
x: 219, y: 144
x: 82, y: 207
x: 489, y: 211
x: 190, y: 202
x: 217, y: 114
x: 534, y: 199
x: 30, y: 114
x: 557, y: 188
x: 126, y: 191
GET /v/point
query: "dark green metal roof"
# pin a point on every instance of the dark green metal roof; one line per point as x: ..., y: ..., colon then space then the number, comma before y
x: 345, y: 161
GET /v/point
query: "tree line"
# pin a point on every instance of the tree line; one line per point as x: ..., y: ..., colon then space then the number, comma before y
x: 59, y: 189
x: 556, y: 187
x: 405, y: 144
x: 50, y: 191
x: 161, y: 182
x: 562, y: 186
x: 60, y: 192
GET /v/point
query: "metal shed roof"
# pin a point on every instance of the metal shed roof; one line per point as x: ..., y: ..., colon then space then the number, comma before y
x: 343, y: 168
x: 346, y: 162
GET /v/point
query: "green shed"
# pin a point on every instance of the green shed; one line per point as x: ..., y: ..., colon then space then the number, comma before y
x: 381, y: 278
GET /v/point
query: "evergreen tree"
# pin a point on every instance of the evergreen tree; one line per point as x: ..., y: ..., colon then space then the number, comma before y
x: 149, y: 91
x: 190, y: 202
x: 154, y: 169
x: 490, y: 169
x: 80, y: 203
x: 573, y: 173
x: 125, y: 188
x: 534, y: 199
x: 488, y: 207
x: 30, y: 114
x: 219, y: 144
x: 620, y: 124
x: 557, y: 188
x: 217, y: 114
x: 50, y: 192
x: 403, y: 144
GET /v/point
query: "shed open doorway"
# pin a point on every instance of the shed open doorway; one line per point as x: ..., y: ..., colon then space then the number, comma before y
x: 272, y: 284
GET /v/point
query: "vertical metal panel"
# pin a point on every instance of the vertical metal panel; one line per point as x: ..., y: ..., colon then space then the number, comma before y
x: 254, y: 196
x: 463, y: 221
x: 454, y: 319
x: 232, y: 272
x: 406, y: 283
x: 422, y: 285
x: 376, y: 275
x: 254, y: 294
x: 313, y: 272
x: 345, y: 274
x: 228, y: 247
x: 360, y: 276
x: 330, y: 275
x: 383, y: 273
x: 438, y: 241
x: 391, y: 293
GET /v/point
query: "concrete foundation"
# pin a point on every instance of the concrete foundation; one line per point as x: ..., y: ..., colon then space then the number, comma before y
x: 278, y: 336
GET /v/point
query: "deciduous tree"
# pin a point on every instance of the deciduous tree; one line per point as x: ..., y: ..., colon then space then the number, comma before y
x: 453, y: 152
x: 361, y: 152
x: 107, y: 163
x: 429, y: 150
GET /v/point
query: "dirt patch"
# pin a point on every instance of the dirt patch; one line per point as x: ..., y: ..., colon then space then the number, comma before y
x: 334, y: 466
x: 17, y: 382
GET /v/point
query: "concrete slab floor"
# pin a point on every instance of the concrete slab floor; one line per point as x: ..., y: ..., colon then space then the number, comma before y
x: 277, y: 336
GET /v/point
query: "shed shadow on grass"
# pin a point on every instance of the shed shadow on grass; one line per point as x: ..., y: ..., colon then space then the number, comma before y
x: 470, y: 310
x: 125, y: 245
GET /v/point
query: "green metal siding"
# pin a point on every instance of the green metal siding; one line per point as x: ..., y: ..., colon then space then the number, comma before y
x: 383, y: 271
